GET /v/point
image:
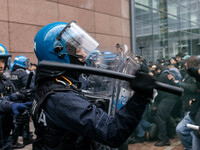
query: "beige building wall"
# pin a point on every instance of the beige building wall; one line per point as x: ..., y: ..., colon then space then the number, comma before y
x: 106, y: 20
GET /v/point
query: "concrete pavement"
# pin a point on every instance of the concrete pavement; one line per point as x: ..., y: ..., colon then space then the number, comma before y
x: 175, y: 144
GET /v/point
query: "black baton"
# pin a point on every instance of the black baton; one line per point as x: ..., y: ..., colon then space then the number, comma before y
x: 108, y: 73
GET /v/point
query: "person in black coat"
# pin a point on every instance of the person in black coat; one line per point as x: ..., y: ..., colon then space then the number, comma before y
x: 8, y: 99
x: 191, y: 138
x: 166, y: 102
x: 19, y: 77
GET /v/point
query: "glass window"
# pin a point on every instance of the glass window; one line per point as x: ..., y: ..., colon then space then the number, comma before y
x: 183, y: 12
x: 173, y: 23
x: 144, y: 46
x: 170, y: 27
x: 143, y: 13
x: 194, y: 28
x: 143, y: 28
x: 172, y: 8
x: 193, y: 5
x: 173, y: 43
x: 155, y: 4
x: 194, y: 44
x: 143, y: 2
x: 185, y: 42
x: 183, y: 2
x: 194, y: 16
x: 185, y: 25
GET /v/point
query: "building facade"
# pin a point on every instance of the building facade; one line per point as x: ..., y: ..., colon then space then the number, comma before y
x: 106, y: 20
x: 165, y: 27
x: 154, y: 28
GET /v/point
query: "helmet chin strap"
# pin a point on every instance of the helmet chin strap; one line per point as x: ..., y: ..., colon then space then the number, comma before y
x: 77, y: 56
x: 74, y: 59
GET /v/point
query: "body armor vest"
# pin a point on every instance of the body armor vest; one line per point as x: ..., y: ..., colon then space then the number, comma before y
x: 50, y: 135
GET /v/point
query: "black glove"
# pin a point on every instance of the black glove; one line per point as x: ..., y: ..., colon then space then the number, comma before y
x: 143, y: 84
x: 18, y: 108
x: 23, y: 117
x: 193, y: 72
x: 24, y: 94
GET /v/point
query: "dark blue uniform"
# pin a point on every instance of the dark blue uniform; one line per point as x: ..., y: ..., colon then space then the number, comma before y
x: 6, y: 118
x: 19, y: 77
x: 5, y: 106
x: 65, y: 120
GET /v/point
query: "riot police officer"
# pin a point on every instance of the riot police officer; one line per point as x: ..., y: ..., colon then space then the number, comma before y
x: 19, y: 77
x: 6, y: 109
x: 8, y: 97
x: 62, y: 116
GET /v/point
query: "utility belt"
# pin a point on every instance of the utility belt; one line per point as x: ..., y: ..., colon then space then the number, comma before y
x: 22, y: 118
x: 51, y: 136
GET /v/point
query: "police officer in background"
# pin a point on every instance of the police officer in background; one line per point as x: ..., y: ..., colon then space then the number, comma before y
x: 62, y: 116
x: 7, y: 102
x: 7, y: 107
x: 19, y: 77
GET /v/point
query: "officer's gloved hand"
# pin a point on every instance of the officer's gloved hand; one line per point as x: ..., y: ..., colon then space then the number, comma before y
x: 24, y: 94
x: 143, y: 84
x: 18, y: 108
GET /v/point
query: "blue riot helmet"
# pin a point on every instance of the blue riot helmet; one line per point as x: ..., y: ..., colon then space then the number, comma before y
x: 108, y: 60
x: 104, y: 60
x: 5, y: 55
x: 62, y: 42
x: 21, y: 61
x: 11, y: 66
x: 93, y: 58
x: 59, y: 41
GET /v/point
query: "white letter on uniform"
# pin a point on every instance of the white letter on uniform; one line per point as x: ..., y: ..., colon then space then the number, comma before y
x: 42, y: 118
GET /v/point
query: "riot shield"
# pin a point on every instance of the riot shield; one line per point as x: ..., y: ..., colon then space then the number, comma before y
x: 99, y: 89
x: 108, y: 93
x: 122, y: 92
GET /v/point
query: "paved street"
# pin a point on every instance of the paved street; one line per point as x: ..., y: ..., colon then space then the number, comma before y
x: 175, y: 145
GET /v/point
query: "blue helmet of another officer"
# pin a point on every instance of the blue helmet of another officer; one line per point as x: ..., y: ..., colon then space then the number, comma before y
x: 61, y: 42
x: 21, y: 61
x: 5, y: 55
x: 105, y: 60
x: 11, y: 66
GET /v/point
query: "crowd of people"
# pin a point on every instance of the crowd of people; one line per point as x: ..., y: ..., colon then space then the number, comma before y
x: 168, y: 115
x: 63, y: 117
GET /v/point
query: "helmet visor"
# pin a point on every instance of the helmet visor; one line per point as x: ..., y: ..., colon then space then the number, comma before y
x: 78, y: 38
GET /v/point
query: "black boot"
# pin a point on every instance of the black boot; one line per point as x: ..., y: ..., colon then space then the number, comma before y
x: 162, y: 143
x: 151, y: 133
